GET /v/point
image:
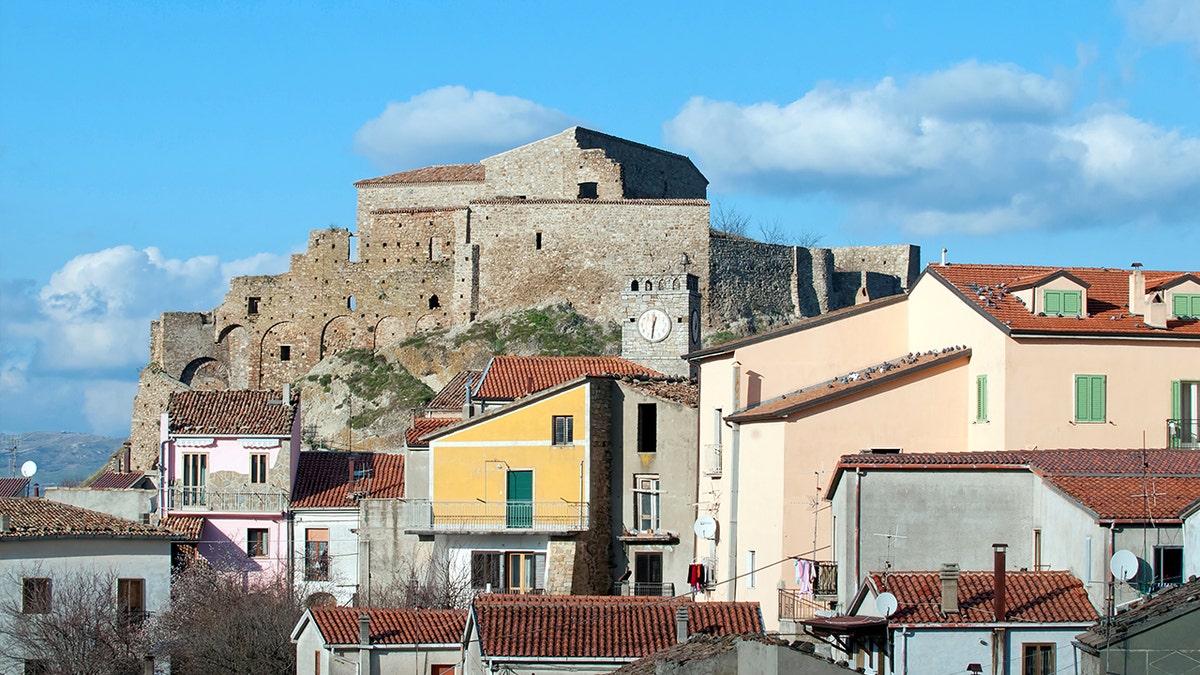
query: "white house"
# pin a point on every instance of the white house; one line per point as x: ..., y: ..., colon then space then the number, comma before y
x: 370, y: 641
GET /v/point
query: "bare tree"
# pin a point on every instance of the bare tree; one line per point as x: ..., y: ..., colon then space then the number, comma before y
x: 430, y: 583
x: 219, y: 624
x: 729, y: 220
x: 71, y: 624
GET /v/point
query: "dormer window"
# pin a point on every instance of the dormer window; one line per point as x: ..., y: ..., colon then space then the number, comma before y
x: 1064, y: 303
x: 1185, y: 305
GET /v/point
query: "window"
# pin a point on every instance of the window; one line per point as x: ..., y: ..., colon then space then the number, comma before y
x: 1037, y: 659
x: 751, y: 568
x: 524, y: 571
x: 195, y: 478
x: 981, y: 411
x: 645, y: 501
x: 258, y: 468
x: 252, y: 305
x: 588, y: 191
x: 564, y: 430
x: 257, y: 543
x: 434, y: 302
x: 648, y: 574
x: 485, y: 570
x: 537, y: 241
x: 285, y: 352
x: 647, y: 429
x: 519, y: 572
x: 1089, y: 398
x: 316, y: 554
x: 1184, y: 425
x: 1037, y: 549
x: 351, y: 303
x: 1066, y: 303
x: 1168, y: 565
x: 1185, y: 305
x: 131, y: 600
x: 35, y: 596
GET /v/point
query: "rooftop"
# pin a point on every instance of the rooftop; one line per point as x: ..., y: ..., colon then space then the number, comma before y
x: 323, y: 479
x: 415, y: 435
x: 390, y: 626
x: 599, y: 626
x: 444, y: 173
x: 231, y: 413
x: 1147, y: 613
x: 40, y: 518
x: 510, y: 377
x: 189, y: 527
x: 1030, y: 597
x: 116, y: 480
x: 13, y: 487
x: 453, y: 396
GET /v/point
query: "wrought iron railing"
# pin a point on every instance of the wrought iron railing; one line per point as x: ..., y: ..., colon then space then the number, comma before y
x: 560, y: 516
x: 225, y: 499
x: 1183, y: 433
x: 662, y: 589
x: 712, y: 459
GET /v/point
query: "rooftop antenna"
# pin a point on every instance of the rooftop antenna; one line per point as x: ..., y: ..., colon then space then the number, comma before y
x: 887, y: 563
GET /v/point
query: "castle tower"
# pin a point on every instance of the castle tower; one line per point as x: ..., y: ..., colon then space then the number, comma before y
x: 662, y: 321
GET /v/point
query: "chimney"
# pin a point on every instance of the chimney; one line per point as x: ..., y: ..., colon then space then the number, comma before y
x: 1156, y: 312
x: 999, y: 582
x: 350, y: 477
x: 287, y: 393
x: 3, y: 522
x: 466, y: 411
x: 944, y: 251
x: 1137, y: 290
x: 949, y: 576
x: 364, y: 629
x: 681, y: 624
x: 126, y: 457
x: 364, y: 642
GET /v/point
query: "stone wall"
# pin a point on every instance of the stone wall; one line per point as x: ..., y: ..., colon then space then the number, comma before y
x: 153, y: 393
x: 592, y: 564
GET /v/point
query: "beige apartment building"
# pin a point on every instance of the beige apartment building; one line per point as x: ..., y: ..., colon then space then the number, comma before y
x: 974, y: 357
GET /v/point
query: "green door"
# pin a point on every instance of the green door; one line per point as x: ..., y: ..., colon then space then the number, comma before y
x: 520, y: 499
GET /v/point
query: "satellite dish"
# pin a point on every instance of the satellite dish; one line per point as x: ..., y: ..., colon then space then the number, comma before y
x: 29, y: 468
x: 886, y: 604
x: 1124, y: 565
x: 705, y: 527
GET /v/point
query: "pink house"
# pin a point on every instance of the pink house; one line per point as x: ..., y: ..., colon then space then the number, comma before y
x: 230, y: 458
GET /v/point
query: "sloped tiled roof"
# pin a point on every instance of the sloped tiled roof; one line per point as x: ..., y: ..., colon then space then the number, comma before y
x: 444, y: 173
x: 116, y: 480
x: 249, y: 413
x: 323, y: 478
x: 453, y: 396
x: 415, y: 435
x: 189, y: 527
x: 13, y: 487
x: 510, y: 377
x: 37, y: 518
x: 986, y: 287
x: 1146, y: 614
x: 701, y: 648
x: 686, y: 392
x: 848, y: 384
x: 1030, y: 597
x: 578, y: 626
x: 339, y: 625
x: 1129, y: 484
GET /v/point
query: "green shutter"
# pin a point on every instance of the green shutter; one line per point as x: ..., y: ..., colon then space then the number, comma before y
x: 1090, y: 404
x: 1071, y: 301
x: 1082, y: 398
x: 1185, y: 305
x: 1052, y: 301
x: 1099, y: 414
x: 981, y: 411
x: 1176, y: 412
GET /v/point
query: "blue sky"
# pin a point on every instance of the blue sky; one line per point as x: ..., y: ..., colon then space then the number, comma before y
x: 149, y: 151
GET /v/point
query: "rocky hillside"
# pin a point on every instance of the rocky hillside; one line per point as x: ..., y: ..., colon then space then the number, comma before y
x: 61, y: 457
x: 365, y: 400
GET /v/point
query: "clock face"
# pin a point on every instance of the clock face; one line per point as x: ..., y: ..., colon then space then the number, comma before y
x: 695, y: 326
x: 654, y: 325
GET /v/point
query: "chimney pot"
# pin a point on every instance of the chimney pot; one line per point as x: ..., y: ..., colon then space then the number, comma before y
x: 287, y: 394
x: 949, y: 577
x: 364, y: 629
x: 999, y: 580
x: 681, y: 624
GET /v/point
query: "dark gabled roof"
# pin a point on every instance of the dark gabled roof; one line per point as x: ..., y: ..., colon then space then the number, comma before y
x: 414, y: 436
x: 13, y: 487
x: 444, y: 173
x: 391, y: 626
x: 847, y: 385
x: 701, y: 648
x: 1030, y: 597
x: 453, y: 396
x: 231, y: 413
x: 511, y: 377
x: 323, y: 479
x: 41, y: 518
x: 1157, y: 609
x: 116, y: 480
x: 607, y: 627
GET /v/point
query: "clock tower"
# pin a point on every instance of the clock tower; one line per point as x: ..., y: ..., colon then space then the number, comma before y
x: 662, y: 321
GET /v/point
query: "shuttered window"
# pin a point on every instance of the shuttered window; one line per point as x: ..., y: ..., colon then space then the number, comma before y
x: 1066, y: 303
x: 1090, y: 398
x: 981, y: 403
x: 1185, y: 305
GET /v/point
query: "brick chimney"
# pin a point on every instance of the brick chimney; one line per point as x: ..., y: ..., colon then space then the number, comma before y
x: 998, y: 578
x: 1137, y: 290
x: 681, y: 624
x: 949, y: 576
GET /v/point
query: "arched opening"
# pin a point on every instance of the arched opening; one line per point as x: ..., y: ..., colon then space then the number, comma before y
x: 433, y: 302
x: 634, y: 285
x: 649, y: 285
x: 351, y: 304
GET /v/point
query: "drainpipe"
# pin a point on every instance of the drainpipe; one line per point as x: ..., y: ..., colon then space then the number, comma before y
x: 858, y: 474
x: 291, y: 556
x: 734, y: 477
x: 1000, y: 608
x: 163, y: 475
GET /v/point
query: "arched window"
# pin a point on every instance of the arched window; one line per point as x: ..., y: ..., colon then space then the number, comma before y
x: 649, y: 285
x: 433, y: 302
x: 634, y: 285
x: 351, y: 304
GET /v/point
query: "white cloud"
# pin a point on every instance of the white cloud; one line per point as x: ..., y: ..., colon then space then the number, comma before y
x: 974, y: 148
x: 454, y: 124
x: 1164, y: 21
x: 85, y: 334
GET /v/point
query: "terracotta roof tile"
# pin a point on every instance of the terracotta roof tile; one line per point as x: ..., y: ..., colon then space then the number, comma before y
x: 13, y: 487
x: 1135, y: 618
x: 1131, y: 497
x: 323, y: 478
x: 231, y: 413
x: 115, y: 480
x: 686, y: 392
x: 599, y: 626
x: 510, y: 377
x: 445, y: 173
x: 339, y: 625
x: 1030, y: 597
x: 189, y: 527
x: 415, y: 435
x: 848, y: 384
x: 453, y: 396
x: 1107, y: 299
x: 36, y: 518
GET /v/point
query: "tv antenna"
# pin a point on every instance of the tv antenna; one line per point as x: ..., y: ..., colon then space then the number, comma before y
x: 13, y: 447
x: 887, y: 562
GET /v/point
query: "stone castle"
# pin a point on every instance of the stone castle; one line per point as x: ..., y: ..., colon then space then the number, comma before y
x: 614, y: 227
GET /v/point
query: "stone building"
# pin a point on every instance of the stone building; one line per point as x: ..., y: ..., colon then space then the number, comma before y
x: 581, y: 217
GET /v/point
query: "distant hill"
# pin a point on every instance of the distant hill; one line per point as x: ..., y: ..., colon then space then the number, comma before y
x: 60, y: 455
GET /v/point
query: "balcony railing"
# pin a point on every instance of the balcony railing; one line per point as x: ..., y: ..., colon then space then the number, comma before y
x: 1183, y: 433
x: 659, y: 589
x: 226, y: 499
x: 712, y: 459
x: 479, y: 516
x: 794, y: 604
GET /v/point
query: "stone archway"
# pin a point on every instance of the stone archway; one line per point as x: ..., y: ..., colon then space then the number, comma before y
x: 342, y: 333
x: 428, y: 322
x: 205, y: 373
x: 389, y: 330
x: 235, y: 349
x: 283, y: 355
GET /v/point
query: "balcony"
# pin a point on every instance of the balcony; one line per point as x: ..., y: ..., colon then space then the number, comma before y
x: 653, y: 589
x: 712, y: 460
x: 242, y: 500
x: 1183, y: 433
x: 497, y: 517
x: 795, y: 605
